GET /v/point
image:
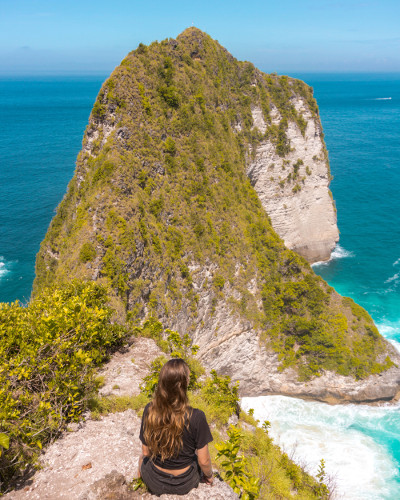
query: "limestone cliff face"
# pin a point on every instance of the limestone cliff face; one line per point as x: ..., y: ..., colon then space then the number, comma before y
x: 294, y: 190
x: 161, y: 210
x: 231, y: 345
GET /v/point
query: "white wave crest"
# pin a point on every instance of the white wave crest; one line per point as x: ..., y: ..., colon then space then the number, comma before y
x: 338, y: 253
x: 394, y: 278
x: 4, y: 267
x: 395, y: 344
x: 361, y: 468
x: 389, y: 329
x: 396, y: 262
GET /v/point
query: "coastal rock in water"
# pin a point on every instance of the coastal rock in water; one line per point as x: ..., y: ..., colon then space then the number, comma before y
x: 164, y: 208
x: 294, y: 189
x: 231, y: 346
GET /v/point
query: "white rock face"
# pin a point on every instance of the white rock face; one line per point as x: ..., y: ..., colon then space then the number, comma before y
x: 230, y: 344
x: 297, y: 199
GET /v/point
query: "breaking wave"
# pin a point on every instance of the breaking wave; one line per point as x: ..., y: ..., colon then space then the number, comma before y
x: 4, y: 267
x: 394, y: 278
x: 361, y: 467
x: 338, y: 253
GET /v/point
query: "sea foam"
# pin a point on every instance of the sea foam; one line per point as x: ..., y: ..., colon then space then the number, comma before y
x: 4, y: 269
x: 338, y: 253
x: 360, y: 467
x: 341, y: 253
x: 394, y: 278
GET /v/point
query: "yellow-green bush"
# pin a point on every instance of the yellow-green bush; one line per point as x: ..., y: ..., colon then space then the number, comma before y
x: 48, y: 351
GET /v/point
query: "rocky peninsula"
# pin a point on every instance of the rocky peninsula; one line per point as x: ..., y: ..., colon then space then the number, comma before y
x: 198, y: 174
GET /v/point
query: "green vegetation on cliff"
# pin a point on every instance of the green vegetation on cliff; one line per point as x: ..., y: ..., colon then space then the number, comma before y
x: 160, y: 202
x: 49, y: 353
x: 244, y: 453
x: 49, y: 350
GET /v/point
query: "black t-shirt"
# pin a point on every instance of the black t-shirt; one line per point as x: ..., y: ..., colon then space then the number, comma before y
x: 193, y: 438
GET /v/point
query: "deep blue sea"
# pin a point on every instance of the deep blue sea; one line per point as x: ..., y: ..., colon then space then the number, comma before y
x: 42, y: 121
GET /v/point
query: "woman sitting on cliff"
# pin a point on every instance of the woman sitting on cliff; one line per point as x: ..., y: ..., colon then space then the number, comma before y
x: 174, y: 436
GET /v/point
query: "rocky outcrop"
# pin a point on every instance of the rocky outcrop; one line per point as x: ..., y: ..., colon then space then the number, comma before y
x: 161, y: 210
x: 97, y: 459
x: 294, y: 189
x: 232, y: 346
x: 114, y: 487
x: 240, y: 356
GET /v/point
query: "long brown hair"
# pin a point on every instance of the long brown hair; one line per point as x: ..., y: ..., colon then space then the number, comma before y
x: 168, y: 411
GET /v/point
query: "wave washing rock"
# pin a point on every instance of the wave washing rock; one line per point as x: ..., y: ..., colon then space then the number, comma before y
x: 161, y: 209
x: 294, y: 190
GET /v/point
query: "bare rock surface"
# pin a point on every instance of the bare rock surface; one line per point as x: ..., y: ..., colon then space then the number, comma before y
x: 97, y: 459
x: 78, y: 459
x: 114, y: 486
x: 301, y: 209
x: 240, y: 355
x: 125, y: 371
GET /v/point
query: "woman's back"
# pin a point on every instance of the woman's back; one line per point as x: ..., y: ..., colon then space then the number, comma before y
x: 196, y: 434
x: 174, y: 436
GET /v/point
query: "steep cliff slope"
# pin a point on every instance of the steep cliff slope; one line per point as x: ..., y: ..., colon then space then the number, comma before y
x: 293, y: 188
x: 161, y: 209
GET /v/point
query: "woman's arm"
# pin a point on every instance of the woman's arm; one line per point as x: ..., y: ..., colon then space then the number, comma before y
x: 203, y: 456
x: 145, y: 453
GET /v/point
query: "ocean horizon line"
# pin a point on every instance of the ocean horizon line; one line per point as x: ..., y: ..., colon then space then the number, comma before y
x: 106, y: 72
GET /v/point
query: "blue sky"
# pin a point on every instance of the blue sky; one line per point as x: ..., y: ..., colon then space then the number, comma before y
x: 93, y: 36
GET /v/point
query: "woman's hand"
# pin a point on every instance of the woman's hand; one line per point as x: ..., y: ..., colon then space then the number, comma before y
x: 209, y: 480
x: 145, y: 453
x: 203, y: 456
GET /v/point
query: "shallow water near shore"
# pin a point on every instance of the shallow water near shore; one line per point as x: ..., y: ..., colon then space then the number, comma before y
x: 353, y: 440
x: 42, y: 121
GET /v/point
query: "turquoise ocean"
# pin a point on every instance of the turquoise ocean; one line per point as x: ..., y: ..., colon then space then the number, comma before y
x: 42, y: 121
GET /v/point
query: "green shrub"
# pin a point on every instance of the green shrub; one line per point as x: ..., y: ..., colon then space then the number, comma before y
x: 218, y: 392
x: 103, y: 171
x: 170, y: 95
x: 170, y: 146
x: 219, y: 281
x: 48, y: 353
x: 87, y: 252
x: 99, y: 110
x: 234, y: 465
